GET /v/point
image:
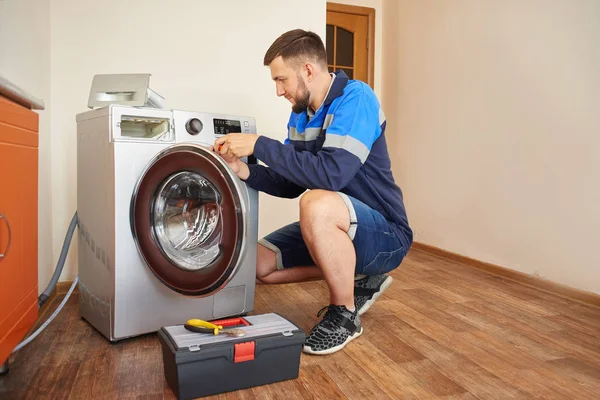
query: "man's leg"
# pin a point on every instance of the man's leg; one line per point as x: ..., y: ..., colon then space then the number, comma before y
x: 325, y: 222
x: 346, y: 237
x: 379, y: 250
x: 267, y: 272
x: 282, y: 257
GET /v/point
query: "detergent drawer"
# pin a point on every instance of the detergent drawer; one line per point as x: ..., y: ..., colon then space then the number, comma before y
x: 198, y: 365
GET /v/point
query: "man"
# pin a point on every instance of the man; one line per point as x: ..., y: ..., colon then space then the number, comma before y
x: 353, y: 227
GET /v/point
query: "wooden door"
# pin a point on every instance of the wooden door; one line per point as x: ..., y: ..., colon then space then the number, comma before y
x: 349, y: 41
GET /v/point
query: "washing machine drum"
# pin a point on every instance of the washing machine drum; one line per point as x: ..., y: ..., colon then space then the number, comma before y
x: 188, y: 219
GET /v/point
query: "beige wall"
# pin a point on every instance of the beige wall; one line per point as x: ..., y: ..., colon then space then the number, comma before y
x: 390, y: 92
x: 496, y: 130
x: 25, y: 61
x: 202, y: 56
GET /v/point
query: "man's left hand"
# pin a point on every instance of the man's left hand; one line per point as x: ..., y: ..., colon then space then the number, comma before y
x: 236, y: 144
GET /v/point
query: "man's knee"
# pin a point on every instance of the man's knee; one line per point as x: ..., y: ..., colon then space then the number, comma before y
x: 266, y: 263
x: 319, y: 207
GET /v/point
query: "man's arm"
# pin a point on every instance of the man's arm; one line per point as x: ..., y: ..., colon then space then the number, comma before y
x: 266, y: 180
x: 348, y: 141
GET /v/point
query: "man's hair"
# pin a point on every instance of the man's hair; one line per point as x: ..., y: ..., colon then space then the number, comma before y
x: 297, y: 45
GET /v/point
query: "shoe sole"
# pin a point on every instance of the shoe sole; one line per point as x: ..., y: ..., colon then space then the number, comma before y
x: 334, y: 349
x: 384, y: 285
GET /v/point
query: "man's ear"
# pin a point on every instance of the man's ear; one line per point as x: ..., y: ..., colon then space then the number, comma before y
x: 309, y: 69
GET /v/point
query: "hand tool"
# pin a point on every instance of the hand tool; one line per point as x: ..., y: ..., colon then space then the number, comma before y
x: 201, y: 326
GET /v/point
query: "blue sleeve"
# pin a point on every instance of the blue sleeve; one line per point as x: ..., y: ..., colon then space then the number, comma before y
x: 266, y: 180
x: 354, y: 128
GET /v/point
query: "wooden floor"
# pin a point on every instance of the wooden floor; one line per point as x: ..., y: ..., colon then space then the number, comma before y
x: 442, y: 330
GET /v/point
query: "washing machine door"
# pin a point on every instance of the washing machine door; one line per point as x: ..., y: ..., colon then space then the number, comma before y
x: 188, y: 219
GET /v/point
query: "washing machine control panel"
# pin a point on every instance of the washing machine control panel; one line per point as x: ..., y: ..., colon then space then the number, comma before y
x: 206, y: 127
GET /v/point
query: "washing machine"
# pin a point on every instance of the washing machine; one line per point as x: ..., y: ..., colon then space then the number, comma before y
x: 167, y: 232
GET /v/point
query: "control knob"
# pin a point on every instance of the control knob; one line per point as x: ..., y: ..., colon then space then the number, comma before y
x: 193, y: 126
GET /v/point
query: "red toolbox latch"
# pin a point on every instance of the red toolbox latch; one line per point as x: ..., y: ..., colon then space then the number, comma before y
x: 244, y: 351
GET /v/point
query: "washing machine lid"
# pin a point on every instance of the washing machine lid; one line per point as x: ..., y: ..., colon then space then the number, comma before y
x: 187, y: 218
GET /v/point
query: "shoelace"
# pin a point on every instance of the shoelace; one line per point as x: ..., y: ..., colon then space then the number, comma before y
x: 333, y: 316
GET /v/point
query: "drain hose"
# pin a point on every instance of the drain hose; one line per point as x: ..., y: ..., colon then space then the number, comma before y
x: 52, y: 285
x: 60, y: 264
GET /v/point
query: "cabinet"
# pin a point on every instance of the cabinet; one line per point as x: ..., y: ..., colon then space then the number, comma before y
x: 18, y: 223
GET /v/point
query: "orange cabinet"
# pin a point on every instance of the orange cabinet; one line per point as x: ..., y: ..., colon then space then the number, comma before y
x: 18, y: 223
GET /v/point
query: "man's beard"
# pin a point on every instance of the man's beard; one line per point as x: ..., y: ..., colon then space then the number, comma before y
x: 302, y: 102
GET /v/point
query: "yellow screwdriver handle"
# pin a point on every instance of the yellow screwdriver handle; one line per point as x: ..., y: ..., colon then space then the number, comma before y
x: 204, y: 324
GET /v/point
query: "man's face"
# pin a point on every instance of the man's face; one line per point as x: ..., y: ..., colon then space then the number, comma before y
x: 290, y: 84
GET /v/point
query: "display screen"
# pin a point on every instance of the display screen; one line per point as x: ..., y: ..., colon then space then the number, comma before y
x: 225, y: 126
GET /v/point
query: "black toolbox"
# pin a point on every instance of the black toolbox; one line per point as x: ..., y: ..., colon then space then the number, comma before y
x: 199, y: 364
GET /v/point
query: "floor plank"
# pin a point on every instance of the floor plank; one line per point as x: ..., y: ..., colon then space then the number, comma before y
x: 442, y: 331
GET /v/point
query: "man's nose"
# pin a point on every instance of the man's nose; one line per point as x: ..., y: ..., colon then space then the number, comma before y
x: 280, y: 91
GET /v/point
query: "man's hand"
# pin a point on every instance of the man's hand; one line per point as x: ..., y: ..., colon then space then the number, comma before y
x: 236, y: 144
x: 237, y: 166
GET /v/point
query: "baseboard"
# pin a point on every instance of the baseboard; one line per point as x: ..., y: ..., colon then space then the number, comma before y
x: 49, y: 306
x: 63, y: 287
x: 516, y: 276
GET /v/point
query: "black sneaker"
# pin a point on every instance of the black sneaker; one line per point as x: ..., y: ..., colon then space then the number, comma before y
x: 368, y: 289
x: 337, y: 328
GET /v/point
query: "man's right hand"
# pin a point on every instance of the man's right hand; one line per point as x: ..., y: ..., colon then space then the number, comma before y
x: 238, y: 167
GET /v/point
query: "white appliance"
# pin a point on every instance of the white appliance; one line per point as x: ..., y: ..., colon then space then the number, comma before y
x: 167, y: 232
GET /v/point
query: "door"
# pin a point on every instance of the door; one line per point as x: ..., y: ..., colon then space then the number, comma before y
x: 349, y: 41
x: 188, y: 219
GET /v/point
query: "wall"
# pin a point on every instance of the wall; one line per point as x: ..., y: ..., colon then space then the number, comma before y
x: 390, y: 92
x: 202, y: 56
x: 25, y: 61
x: 497, y: 143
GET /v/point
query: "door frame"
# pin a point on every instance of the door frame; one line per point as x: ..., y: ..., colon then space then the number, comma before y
x: 370, y: 14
